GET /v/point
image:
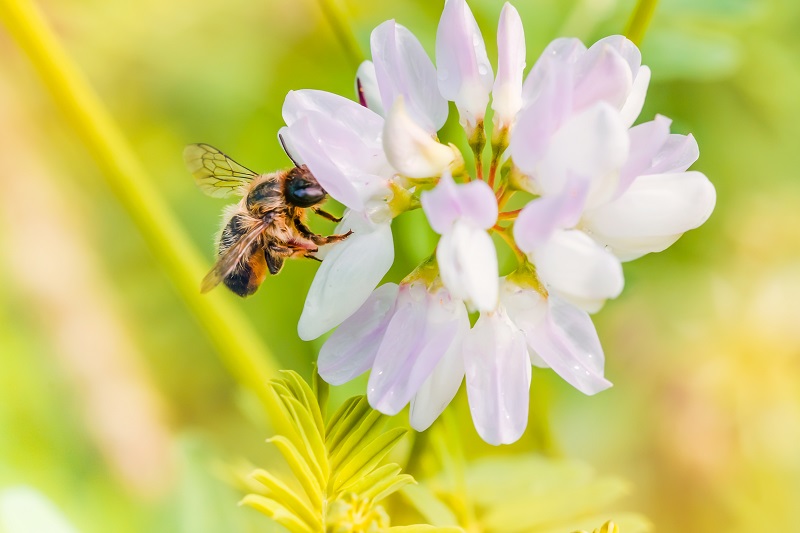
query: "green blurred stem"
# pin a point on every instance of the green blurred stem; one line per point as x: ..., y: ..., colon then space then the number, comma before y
x: 242, y: 352
x: 640, y: 20
x: 342, y: 30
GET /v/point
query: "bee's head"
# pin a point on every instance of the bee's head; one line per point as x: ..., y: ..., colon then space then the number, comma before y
x: 302, y: 188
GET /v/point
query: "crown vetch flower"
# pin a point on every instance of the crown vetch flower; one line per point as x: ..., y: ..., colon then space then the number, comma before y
x: 604, y: 192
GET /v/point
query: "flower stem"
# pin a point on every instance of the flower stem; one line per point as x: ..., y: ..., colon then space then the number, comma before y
x: 504, y: 234
x: 241, y: 350
x: 509, y: 215
x: 343, y: 31
x: 640, y: 20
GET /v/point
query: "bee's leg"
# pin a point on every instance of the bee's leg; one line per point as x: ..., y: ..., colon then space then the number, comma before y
x: 325, y: 214
x: 319, y: 240
x: 312, y: 256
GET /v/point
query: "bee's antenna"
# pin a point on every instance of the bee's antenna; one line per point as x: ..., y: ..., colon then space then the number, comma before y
x: 286, y: 150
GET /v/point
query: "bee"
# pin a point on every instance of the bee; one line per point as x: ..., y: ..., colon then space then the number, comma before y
x: 267, y: 226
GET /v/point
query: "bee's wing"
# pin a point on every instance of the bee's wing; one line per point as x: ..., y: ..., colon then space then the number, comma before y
x: 216, y: 174
x: 228, y: 261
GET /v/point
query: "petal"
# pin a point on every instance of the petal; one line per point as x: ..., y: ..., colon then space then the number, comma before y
x: 351, y: 350
x: 543, y: 216
x: 633, y: 105
x: 26, y: 510
x: 411, y: 149
x: 285, y: 140
x: 561, y: 335
x: 677, y: 154
x: 593, y: 145
x: 507, y: 89
x: 447, y: 202
x: 468, y: 265
x: 646, y: 141
x: 346, y: 277
x: 464, y: 72
x: 442, y: 385
x: 543, y: 114
x: 352, y: 115
x: 579, y: 269
x: 601, y: 74
x: 404, y: 69
x: 564, y: 50
x: 420, y: 332
x: 367, y: 90
x: 653, y: 213
x: 498, y: 374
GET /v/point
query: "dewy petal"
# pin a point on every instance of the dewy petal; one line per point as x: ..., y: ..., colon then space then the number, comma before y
x: 447, y: 202
x: 442, y: 385
x: 601, y: 74
x: 560, y: 334
x: 411, y: 149
x: 420, y: 332
x: 633, y: 105
x: 564, y: 51
x: 468, y: 265
x: 543, y: 216
x: 653, y: 213
x: 579, y: 269
x: 464, y: 72
x: 646, y: 141
x: 355, y: 117
x: 346, y: 277
x: 498, y: 374
x: 624, y: 47
x: 404, y: 69
x: 507, y: 89
x: 351, y: 349
x: 367, y: 90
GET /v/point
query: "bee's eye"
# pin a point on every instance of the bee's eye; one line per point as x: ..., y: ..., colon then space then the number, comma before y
x: 304, y: 193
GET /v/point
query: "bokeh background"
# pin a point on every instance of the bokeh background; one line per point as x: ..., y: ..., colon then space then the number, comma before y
x: 114, y: 402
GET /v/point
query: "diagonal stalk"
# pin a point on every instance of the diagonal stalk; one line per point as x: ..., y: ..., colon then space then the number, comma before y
x: 343, y: 31
x: 640, y: 20
x: 240, y: 348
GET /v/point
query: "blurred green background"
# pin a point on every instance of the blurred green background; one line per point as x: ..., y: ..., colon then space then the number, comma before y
x: 113, y: 401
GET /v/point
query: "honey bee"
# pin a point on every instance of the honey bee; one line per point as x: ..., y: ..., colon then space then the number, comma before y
x: 266, y: 226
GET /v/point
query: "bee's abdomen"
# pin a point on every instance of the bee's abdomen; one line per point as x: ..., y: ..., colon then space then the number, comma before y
x: 248, y: 275
x: 231, y: 233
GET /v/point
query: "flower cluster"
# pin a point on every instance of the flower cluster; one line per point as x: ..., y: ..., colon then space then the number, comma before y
x: 600, y: 191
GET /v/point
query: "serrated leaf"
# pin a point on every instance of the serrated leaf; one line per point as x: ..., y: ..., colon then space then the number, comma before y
x: 422, y: 528
x: 352, y: 419
x: 300, y: 469
x: 366, y: 431
x: 368, y: 457
x: 277, y: 512
x: 360, y: 485
x: 388, y: 486
x: 304, y: 394
x: 279, y: 492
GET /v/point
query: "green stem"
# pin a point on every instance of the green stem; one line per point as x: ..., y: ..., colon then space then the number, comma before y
x: 241, y: 350
x: 640, y: 20
x: 343, y: 31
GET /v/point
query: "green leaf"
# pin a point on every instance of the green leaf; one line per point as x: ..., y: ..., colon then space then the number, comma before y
x: 340, y: 413
x: 277, y: 512
x: 363, y: 484
x: 300, y: 469
x: 304, y: 394
x: 421, y: 528
x: 387, y: 486
x: 315, y: 444
x: 368, y: 457
x: 349, y: 422
x: 321, y: 391
x: 431, y: 508
x: 366, y: 431
x: 288, y: 498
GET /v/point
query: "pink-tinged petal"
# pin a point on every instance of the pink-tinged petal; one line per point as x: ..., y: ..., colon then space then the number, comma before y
x: 447, y: 202
x: 352, y: 348
x: 653, y: 213
x: 442, y: 385
x: 543, y: 114
x: 464, y: 72
x: 498, y: 374
x: 311, y: 148
x: 561, y: 335
x: 677, y: 154
x: 633, y: 105
x: 601, y: 75
x: 543, y: 216
x: 564, y: 50
x: 647, y: 140
x: 404, y: 69
x: 411, y: 149
x: 507, y: 89
x: 348, y: 274
x: 594, y: 145
x: 355, y: 117
x: 579, y: 269
x: 420, y: 332
x: 468, y: 265
x: 367, y: 90
x: 285, y: 140
x: 624, y: 47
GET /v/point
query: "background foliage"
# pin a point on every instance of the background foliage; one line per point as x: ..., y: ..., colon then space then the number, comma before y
x: 113, y: 401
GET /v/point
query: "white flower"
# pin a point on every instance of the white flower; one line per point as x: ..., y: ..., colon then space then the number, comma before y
x: 604, y: 193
